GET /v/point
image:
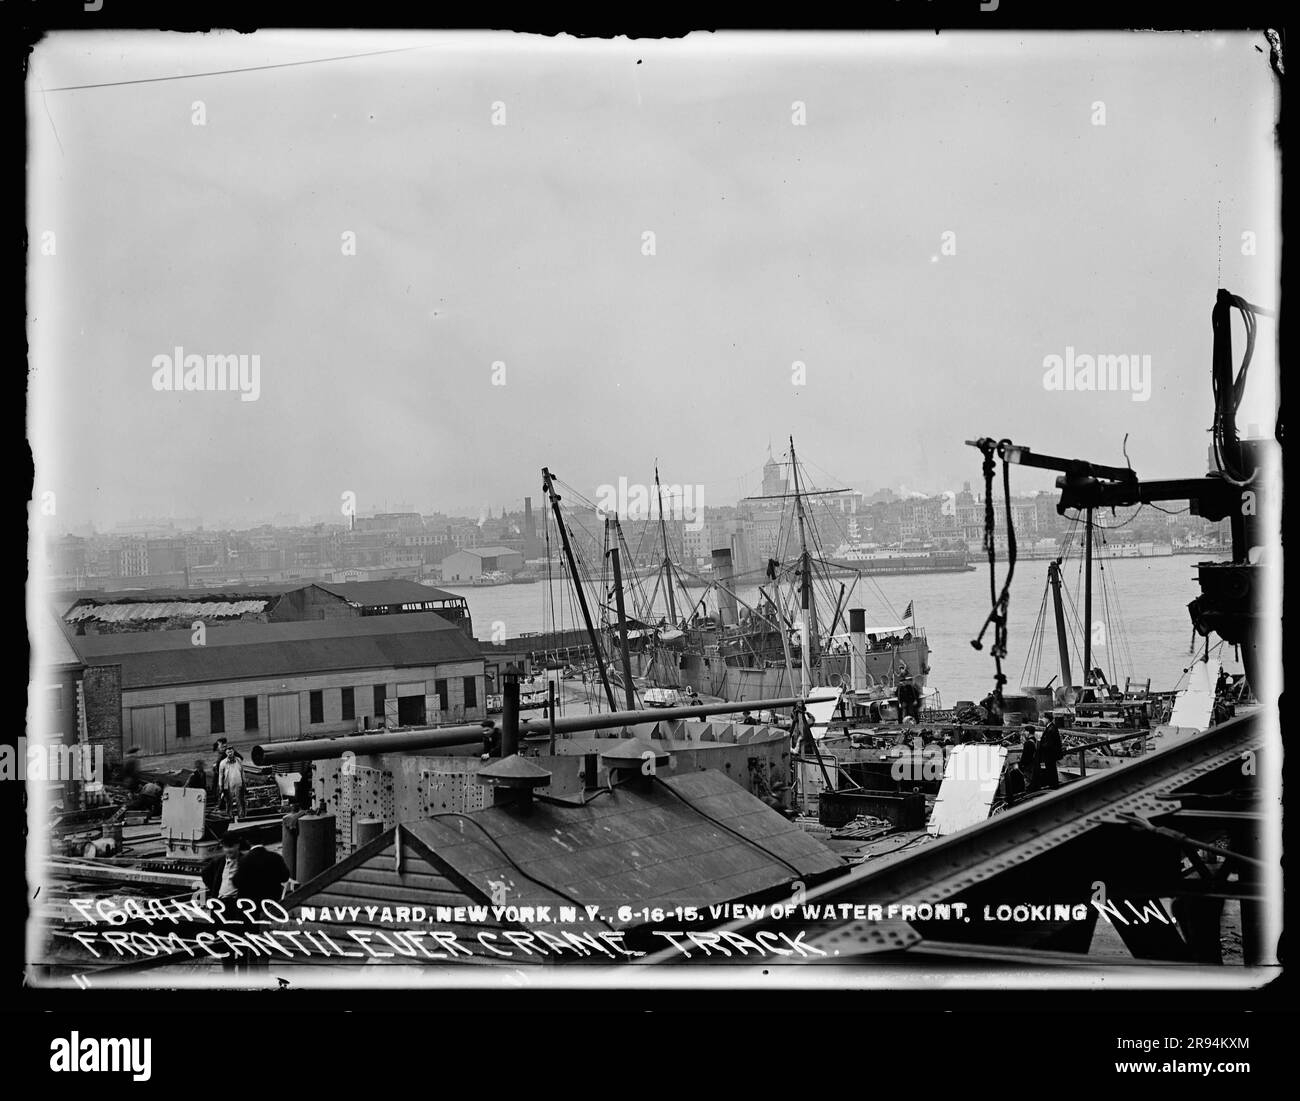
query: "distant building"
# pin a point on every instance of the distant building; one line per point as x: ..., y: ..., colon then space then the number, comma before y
x: 398, y: 597
x: 473, y: 562
x: 697, y: 544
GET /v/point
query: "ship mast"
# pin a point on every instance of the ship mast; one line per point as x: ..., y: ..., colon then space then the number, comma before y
x: 576, y: 578
x: 1062, y: 641
x: 622, y: 621
x: 1087, y: 601
x: 668, y: 562
x: 808, y: 627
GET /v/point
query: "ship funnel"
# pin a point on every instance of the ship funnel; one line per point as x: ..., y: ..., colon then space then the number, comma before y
x: 858, y: 648
x: 723, y: 573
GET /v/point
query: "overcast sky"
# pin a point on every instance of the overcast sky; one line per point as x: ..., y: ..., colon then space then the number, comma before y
x: 522, y: 244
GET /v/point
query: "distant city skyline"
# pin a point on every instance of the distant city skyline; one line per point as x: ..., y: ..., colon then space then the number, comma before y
x: 290, y: 518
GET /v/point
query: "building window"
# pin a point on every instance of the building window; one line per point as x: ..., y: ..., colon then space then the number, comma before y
x: 55, y: 697
x: 318, y: 707
x: 182, y: 720
x: 440, y: 690
x: 349, y: 704
x: 471, y: 692
x: 250, y: 712
x: 381, y: 694
x: 217, y: 710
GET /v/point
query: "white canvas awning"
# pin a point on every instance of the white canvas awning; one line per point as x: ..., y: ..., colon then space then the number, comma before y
x: 970, y: 781
x: 821, y: 704
x: 1194, y: 707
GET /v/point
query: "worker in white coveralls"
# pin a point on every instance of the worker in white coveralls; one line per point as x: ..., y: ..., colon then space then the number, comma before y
x: 230, y: 784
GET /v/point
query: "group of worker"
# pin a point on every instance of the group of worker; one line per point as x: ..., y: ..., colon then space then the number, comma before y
x: 1039, y: 755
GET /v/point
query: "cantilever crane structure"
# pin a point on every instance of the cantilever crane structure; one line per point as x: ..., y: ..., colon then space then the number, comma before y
x: 1237, y: 490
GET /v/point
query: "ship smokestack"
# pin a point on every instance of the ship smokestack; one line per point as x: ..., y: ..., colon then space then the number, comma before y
x: 722, y: 573
x: 858, y: 648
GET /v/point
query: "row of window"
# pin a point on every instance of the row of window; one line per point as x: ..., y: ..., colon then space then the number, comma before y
x: 316, y: 705
x: 217, y: 716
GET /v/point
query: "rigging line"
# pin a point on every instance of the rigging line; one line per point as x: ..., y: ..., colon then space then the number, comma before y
x: 878, y: 591
x: 1115, y: 527
x: 228, y: 72
x: 1072, y: 627
x: 1039, y: 630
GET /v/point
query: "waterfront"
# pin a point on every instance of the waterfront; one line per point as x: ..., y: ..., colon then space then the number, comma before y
x: 1153, y: 597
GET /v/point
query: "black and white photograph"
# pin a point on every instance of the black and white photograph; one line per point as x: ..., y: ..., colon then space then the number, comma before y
x: 745, y: 511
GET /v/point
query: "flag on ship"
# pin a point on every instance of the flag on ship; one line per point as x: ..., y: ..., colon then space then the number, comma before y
x: 908, y: 614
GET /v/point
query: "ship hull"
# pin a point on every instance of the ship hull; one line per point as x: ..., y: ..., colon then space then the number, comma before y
x: 710, y: 675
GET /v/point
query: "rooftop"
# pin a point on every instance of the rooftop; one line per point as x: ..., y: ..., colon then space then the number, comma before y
x: 696, y: 839
x: 243, y: 651
x: 489, y: 552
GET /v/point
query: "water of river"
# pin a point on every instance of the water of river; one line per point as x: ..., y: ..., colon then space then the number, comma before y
x: 1148, y: 623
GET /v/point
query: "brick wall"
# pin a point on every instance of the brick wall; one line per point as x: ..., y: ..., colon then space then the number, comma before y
x: 102, y: 685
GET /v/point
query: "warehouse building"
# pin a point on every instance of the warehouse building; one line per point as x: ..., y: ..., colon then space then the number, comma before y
x: 470, y: 564
x: 173, y: 695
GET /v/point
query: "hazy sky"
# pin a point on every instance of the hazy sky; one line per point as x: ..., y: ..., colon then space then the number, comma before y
x: 522, y: 244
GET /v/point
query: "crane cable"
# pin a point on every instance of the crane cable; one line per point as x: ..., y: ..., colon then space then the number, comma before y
x: 999, y: 601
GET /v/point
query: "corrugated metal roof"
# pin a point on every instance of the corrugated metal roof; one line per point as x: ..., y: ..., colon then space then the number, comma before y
x: 122, y: 612
x: 260, y: 650
x: 259, y: 591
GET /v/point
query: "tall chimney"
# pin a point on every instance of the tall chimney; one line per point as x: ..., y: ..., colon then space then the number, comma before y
x: 858, y: 647
x: 530, y: 527
x: 722, y: 574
